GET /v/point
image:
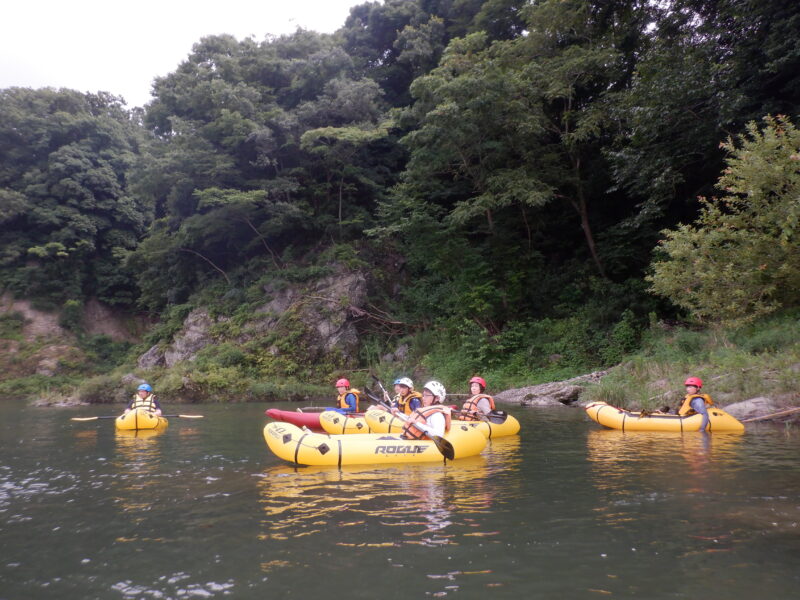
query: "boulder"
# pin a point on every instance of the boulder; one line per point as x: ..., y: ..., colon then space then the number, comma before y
x: 555, y: 393
x: 754, y: 407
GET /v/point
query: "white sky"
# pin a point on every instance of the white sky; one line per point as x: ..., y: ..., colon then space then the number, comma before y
x: 108, y: 45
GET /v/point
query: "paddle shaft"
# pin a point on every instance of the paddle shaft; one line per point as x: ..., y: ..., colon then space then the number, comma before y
x: 117, y: 416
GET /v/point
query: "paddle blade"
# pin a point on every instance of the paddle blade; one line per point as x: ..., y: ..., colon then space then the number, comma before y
x: 191, y: 416
x: 444, y: 446
x: 84, y: 418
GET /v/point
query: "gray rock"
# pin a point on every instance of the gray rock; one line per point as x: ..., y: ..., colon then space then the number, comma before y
x: 152, y: 358
x: 754, y: 407
x: 555, y: 393
x: 191, y: 339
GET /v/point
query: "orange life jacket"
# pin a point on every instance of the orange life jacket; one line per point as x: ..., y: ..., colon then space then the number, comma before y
x: 341, y: 399
x: 404, y: 404
x: 686, y: 407
x: 421, y: 415
x: 470, y: 410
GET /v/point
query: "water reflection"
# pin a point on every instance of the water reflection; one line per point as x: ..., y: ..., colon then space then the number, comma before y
x: 417, y: 504
x: 136, y: 460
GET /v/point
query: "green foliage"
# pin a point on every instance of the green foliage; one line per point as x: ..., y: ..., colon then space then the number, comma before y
x: 735, y: 364
x: 71, y: 315
x: 11, y: 324
x: 66, y: 157
x: 741, y: 259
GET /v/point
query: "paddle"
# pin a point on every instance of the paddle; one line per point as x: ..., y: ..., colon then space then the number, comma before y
x: 116, y: 416
x: 443, y: 445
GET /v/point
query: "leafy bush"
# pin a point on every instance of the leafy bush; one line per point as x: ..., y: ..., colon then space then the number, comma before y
x: 741, y: 258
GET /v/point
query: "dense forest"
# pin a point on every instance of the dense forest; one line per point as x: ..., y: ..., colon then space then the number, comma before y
x: 528, y: 184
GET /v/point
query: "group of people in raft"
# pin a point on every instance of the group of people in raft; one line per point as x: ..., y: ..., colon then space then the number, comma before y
x: 424, y: 412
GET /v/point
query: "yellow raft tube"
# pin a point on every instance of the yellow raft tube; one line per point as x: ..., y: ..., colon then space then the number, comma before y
x: 618, y: 418
x: 140, y: 418
x: 336, y: 423
x: 381, y: 421
x: 301, y: 447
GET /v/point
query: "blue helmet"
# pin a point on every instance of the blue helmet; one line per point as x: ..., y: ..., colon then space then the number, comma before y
x: 146, y: 387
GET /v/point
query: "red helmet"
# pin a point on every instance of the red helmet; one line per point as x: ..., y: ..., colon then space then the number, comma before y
x: 695, y: 381
x: 479, y: 380
x: 342, y: 382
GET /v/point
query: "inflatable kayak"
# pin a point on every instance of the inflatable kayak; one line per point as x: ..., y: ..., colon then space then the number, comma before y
x: 335, y: 422
x: 294, y: 445
x: 625, y: 420
x: 140, y: 418
x: 496, y: 425
x: 308, y: 417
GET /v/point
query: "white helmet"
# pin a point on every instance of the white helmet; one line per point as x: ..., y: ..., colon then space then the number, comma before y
x: 405, y: 381
x: 437, y: 389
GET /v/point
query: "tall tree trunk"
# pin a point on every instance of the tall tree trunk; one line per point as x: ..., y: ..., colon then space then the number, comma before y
x: 583, y: 211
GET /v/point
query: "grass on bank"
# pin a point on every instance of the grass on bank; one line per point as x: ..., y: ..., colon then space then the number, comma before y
x: 762, y: 359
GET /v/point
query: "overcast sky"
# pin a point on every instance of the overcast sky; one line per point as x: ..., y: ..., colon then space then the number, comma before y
x: 108, y: 45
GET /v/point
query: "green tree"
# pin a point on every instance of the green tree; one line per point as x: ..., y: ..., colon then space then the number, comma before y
x: 67, y: 209
x: 741, y: 258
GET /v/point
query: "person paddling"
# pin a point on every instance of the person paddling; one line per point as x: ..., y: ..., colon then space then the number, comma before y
x: 144, y: 398
x: 479, y: 403
x: 347, y: 401
x: 406, y: 400
x: 432, y: 416
x: 694, y: 402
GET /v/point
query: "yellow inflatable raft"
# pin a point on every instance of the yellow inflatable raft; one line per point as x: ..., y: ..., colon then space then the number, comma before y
x: 618, y: 418
x: 140, y: 418
x: 301, y: 447
x: 337, y: 423
x: 381, y: 421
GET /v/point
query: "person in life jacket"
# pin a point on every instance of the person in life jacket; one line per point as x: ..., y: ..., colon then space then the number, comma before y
x: 479, y: 403
x: 406, y: 400
x: 434, y: 417
x: 144, y: 398
x: 695, y: 403
x: 347, y: 401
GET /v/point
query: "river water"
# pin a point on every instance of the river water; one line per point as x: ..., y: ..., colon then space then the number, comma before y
x: 564, y: 510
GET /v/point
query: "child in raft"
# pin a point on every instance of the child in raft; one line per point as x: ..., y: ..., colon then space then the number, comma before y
x: 695, y: 403
x: 479, y: 403
x: 347, y: 400
x: 144, y: 398
x: 406, y: 400
x: 434, y: 417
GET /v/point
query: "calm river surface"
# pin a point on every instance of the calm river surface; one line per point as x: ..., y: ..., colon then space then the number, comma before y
x: 564, y: 510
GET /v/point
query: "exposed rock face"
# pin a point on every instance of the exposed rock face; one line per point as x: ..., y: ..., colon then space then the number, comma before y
x: 557, y: 393
x: 326, y: 309
x: 193, y: 338
x: 99, y: 319
x: 38, y: 324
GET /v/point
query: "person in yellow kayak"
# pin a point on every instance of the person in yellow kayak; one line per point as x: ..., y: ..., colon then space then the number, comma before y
x: 406, y: 400
x: 694, y: 402
x: 144, y: 398
x: 479, y: 403
x: 431, y: 417
x: 348, y: 398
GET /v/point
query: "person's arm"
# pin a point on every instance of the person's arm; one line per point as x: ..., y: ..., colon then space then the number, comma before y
x: 699, y: 406
x: 351, y: 401
x: 414, y: 403
x: 436, y: 423
x: 157, y: 405
x: 484, y: 407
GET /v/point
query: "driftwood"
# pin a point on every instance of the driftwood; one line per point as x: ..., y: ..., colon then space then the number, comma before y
x: 781, y: 413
